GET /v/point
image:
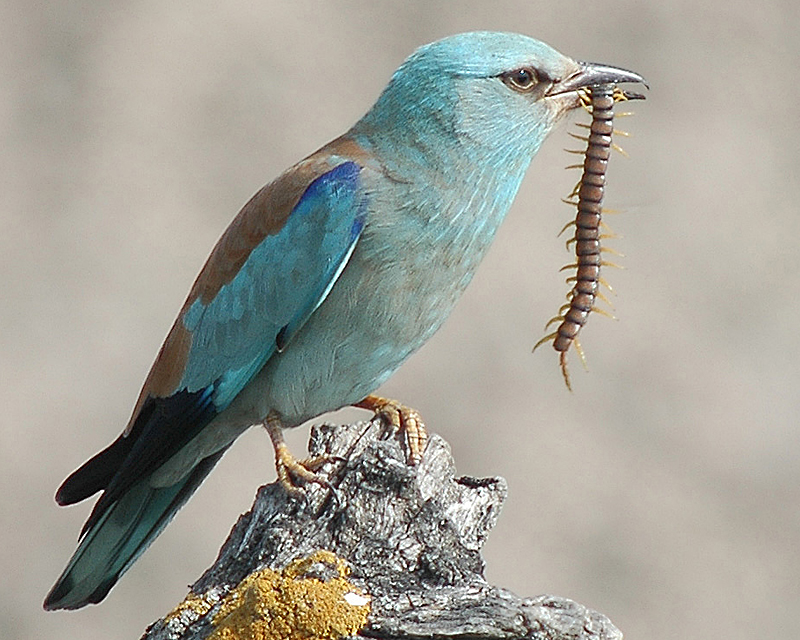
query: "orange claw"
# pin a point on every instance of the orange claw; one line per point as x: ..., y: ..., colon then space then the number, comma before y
x: 292, y: 471
x: 400, y: 418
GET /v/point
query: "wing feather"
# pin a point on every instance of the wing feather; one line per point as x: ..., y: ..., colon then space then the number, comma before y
x: 233, y: 322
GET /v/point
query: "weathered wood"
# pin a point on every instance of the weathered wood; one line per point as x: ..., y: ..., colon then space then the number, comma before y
x: 411, y: 537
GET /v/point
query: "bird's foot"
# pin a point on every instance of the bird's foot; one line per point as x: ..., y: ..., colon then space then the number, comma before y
x: 292, y: 473
x: 400, y: 418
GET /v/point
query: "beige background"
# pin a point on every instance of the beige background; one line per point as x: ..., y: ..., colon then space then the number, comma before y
x: 663, y: 492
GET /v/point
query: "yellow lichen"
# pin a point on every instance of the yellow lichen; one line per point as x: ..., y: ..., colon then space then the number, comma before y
x: 197, y: 605
x: 290, y: 605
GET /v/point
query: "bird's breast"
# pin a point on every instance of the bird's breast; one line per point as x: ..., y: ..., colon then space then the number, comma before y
x: 420, y: 247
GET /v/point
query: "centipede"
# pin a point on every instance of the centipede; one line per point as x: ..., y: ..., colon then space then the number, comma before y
x: 590, y: 230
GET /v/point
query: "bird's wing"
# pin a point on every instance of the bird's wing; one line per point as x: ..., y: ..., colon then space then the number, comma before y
x: 236, y: 321
x: 269, y: 271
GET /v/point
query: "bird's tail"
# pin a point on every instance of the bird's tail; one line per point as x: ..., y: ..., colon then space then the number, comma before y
x: 112, y: 544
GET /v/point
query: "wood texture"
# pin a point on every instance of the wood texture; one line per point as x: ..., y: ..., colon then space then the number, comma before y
x: 411, y: 537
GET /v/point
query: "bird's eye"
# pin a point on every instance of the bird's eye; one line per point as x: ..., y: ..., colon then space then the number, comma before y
x: 522, y: 80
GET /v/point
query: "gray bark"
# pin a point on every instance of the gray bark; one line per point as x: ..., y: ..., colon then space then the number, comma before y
x: 411, y: 535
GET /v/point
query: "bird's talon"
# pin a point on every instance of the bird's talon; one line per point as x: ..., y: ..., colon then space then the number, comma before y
x: 293, y: 472
x: 400, y: 418
x: 316, y: 463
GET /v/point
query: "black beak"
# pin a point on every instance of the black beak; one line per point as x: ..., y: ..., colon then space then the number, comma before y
x: 592, y: 74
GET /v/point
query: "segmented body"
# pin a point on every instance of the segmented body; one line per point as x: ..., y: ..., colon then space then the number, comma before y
x: 588, y: 236
x: 587, y: 222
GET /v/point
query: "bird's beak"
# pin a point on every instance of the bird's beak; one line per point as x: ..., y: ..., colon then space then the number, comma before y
x: 591, y: 74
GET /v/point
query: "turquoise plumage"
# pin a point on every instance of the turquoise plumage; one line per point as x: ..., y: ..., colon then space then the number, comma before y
x: 326, y: 281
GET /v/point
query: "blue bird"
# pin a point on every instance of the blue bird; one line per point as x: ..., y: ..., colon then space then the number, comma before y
x: 325, y: 282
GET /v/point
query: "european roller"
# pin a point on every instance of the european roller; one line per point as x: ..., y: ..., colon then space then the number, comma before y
x: 325, y: 282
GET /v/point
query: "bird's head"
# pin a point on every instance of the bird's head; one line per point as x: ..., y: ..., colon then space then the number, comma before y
x: 484, y: 92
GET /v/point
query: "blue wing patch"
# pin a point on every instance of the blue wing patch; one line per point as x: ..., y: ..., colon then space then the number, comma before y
x: 284, y: 279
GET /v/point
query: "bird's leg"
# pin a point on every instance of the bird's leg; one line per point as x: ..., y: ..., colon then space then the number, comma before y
x: 400, y: 418
x: 290, y: 469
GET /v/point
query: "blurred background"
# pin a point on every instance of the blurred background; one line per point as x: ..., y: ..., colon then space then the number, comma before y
x: 663, y: 492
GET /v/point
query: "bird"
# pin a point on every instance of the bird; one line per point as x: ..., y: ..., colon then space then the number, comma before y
x: 326, y: 281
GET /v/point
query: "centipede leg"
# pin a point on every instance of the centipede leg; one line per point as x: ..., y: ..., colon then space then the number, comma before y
x: 564, y: 369
x: 587, y: 196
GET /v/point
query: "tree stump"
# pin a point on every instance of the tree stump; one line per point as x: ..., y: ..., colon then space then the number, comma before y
x: 392, y: 552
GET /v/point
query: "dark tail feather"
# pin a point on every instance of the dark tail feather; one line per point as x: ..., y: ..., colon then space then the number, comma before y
x: 94, y: 474
x: 120, y: 536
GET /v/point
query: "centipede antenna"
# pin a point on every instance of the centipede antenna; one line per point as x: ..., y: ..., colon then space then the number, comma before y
x: 620, y: 95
